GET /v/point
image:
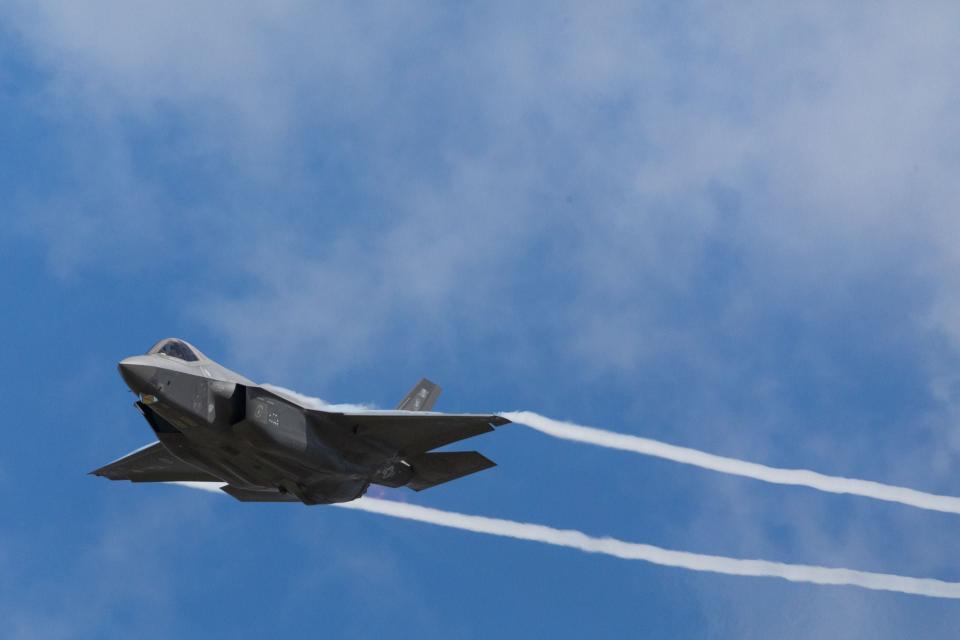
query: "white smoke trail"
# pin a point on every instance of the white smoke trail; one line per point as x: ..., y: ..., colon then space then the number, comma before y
x: 685, y: 455
x: 800, y: 477
x: 656, y: 555
x: 315, y: 403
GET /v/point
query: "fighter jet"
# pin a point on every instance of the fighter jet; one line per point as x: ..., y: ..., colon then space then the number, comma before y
x: 264, y: 445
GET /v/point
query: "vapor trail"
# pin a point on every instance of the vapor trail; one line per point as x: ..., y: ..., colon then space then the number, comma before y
x: 684, y: 455
x: 656, y: 555
x: 800, y: 477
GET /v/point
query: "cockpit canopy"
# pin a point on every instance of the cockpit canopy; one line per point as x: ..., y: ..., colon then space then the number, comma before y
x: 176, y: 349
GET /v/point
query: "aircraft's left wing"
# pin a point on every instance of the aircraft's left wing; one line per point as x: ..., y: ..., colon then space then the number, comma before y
x: 411, y: 433
x: 153, y: 463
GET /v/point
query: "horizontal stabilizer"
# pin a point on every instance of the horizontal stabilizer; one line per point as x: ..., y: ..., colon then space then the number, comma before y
x: 153, y: 463
x: 431, y: 469
x: 421, y: 398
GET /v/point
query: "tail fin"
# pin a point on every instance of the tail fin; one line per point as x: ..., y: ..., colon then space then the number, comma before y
x: 431, y: 469
x: 421, y: 397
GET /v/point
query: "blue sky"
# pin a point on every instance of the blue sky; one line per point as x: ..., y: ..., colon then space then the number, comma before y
x: 733, y: 230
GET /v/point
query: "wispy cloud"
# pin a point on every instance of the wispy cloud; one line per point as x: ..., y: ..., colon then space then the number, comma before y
x: 709, y: 217
x: 622, y: 146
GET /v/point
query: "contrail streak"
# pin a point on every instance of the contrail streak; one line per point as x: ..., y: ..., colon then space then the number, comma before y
x: 685, y: 455
x: 656, y: 555
x: 800, y: 477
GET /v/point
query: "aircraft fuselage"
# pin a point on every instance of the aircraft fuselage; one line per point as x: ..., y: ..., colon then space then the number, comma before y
x: 266, y: 445
x: 249, y: 437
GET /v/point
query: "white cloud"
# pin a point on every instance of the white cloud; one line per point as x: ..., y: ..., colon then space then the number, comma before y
x: 565, y: 175
x: 614, y: 191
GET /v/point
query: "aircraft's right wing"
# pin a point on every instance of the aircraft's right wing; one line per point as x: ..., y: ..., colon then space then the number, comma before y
x: 410, y: 433
x: 153, y: 463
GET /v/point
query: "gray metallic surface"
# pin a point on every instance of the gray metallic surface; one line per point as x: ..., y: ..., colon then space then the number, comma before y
x: 421, y: 398
x: 213, y: 424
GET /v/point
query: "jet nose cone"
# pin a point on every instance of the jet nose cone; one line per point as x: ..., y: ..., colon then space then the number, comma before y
x: 138, y: 372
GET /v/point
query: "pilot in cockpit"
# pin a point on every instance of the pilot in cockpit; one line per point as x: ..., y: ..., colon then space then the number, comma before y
x: 175, y: 349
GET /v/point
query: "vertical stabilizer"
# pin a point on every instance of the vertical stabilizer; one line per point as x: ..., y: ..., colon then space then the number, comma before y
x: 421, y: 397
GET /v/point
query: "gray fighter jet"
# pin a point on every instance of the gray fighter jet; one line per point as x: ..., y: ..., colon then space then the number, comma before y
x: 267, y: 446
